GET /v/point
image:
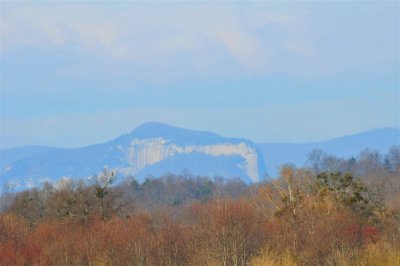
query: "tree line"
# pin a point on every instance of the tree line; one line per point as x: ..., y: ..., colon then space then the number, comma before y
x: 335, y: 211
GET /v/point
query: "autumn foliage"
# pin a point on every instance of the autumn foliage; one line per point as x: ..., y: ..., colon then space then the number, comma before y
x: 304, y: 217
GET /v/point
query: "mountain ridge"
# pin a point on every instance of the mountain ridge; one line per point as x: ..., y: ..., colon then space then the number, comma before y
x: 147, y: 145
x: 155, y: 148
x: 381, y: 139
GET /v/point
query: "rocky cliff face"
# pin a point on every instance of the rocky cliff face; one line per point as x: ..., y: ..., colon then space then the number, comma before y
x: 145, y: 152
x: 151, y: 149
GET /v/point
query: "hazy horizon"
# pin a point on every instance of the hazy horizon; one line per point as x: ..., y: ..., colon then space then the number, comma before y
x: 75, y: 74
x: 239, y: 137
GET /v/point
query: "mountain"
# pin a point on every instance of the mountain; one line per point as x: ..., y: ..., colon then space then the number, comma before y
x: 12, y: 155
x: 150, y: 149
x: 276, y: 154
x: 155, y: 149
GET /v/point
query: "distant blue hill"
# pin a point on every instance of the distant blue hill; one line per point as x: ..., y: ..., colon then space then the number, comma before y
x: 276, y: 154
x: 150, y: 149
x: 12, y: 155
x: 156, y: 148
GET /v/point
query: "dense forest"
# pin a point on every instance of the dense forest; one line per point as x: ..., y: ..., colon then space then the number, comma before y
x: 335, y: 211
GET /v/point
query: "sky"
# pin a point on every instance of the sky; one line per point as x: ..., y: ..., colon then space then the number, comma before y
x: 79, y: 73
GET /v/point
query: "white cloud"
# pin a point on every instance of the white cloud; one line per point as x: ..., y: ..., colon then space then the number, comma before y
x: 146, y: 35
x: 29, y: 26
x: 159, y: 40
x: 245, y: 48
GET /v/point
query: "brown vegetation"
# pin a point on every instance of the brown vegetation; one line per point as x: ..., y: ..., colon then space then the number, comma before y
x: 315, y: 216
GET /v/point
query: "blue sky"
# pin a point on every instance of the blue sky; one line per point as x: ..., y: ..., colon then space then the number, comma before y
x: 78, y: 73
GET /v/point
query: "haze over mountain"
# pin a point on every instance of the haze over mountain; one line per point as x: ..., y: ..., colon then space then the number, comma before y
x: 150, y: 149
x: 156, y: 148
x: 276, y: 154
